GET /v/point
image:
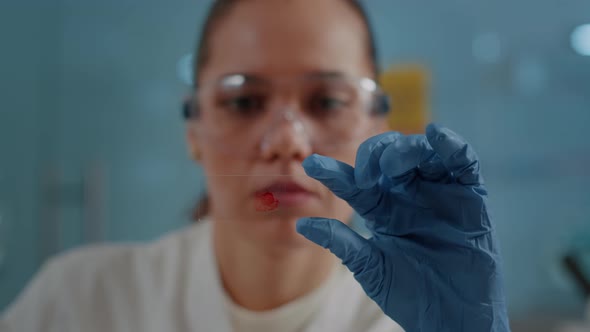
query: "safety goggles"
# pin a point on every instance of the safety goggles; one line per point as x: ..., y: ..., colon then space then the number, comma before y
x: 240, y: 113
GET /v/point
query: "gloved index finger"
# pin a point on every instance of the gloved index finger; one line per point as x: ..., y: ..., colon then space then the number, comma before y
x: 456, y: 154
x: 334, y: 174
x: 411, y: 155
x: 339, y: 177
x: 367, y: 171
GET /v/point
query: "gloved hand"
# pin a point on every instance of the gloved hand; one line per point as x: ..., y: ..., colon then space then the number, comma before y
x: 433, y: 263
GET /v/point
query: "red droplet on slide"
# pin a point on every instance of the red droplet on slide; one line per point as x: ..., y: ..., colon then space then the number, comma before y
x: 266, y: 202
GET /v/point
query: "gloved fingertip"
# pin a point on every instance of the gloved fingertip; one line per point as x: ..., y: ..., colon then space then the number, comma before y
x: 367, y: 172
x: 435, y: 131
x: 317, y: 230
x: 444, y: 141
x: 311, y: 162
x: 302, y: 225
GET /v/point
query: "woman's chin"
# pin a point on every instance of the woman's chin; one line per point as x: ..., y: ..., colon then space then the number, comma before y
x: 275, y: 227
x: 278, y: 231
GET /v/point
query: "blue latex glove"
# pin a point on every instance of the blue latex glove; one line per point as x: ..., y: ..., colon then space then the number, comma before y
x: 433, y: 263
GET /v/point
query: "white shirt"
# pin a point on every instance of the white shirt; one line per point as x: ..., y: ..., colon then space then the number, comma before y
x: 292, y: 317
x: 172, y: 285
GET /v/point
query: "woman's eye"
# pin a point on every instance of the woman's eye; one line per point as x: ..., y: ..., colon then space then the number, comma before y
x: 326, y: 104
x: 245, y: 105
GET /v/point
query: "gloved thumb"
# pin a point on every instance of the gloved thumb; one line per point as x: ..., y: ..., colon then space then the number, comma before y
x: 357, y: 253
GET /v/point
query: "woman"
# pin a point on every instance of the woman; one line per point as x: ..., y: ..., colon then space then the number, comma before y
x: 285, y: 95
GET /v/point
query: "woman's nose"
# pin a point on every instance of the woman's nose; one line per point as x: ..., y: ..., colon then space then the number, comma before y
x: 287, y: 138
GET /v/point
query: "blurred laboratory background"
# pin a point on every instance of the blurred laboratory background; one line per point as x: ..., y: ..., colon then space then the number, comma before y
x: 92, y: 143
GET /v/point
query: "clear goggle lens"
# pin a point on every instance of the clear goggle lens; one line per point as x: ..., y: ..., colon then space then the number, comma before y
x: 240, y: 113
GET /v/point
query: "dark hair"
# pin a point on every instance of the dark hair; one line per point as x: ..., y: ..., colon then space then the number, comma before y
x: 221, y: 8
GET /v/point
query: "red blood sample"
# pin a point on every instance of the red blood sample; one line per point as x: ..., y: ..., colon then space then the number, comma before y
x: 265, y: 202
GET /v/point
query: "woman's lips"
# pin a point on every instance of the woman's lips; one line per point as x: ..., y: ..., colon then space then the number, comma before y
x: 287, y: 194
x: 293, y: 198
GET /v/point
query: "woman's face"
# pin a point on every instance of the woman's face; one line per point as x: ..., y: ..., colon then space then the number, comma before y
x: 278, y: 41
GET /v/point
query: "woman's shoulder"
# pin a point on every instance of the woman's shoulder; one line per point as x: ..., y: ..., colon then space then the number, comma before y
x: 119, y: 260
x: 84, y: 284
x: 122, y: 269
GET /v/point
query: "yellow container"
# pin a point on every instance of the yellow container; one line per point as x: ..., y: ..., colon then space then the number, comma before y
x: 409, y: 89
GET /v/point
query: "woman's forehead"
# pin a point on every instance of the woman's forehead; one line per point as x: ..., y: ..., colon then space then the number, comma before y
x: 270, y: 37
